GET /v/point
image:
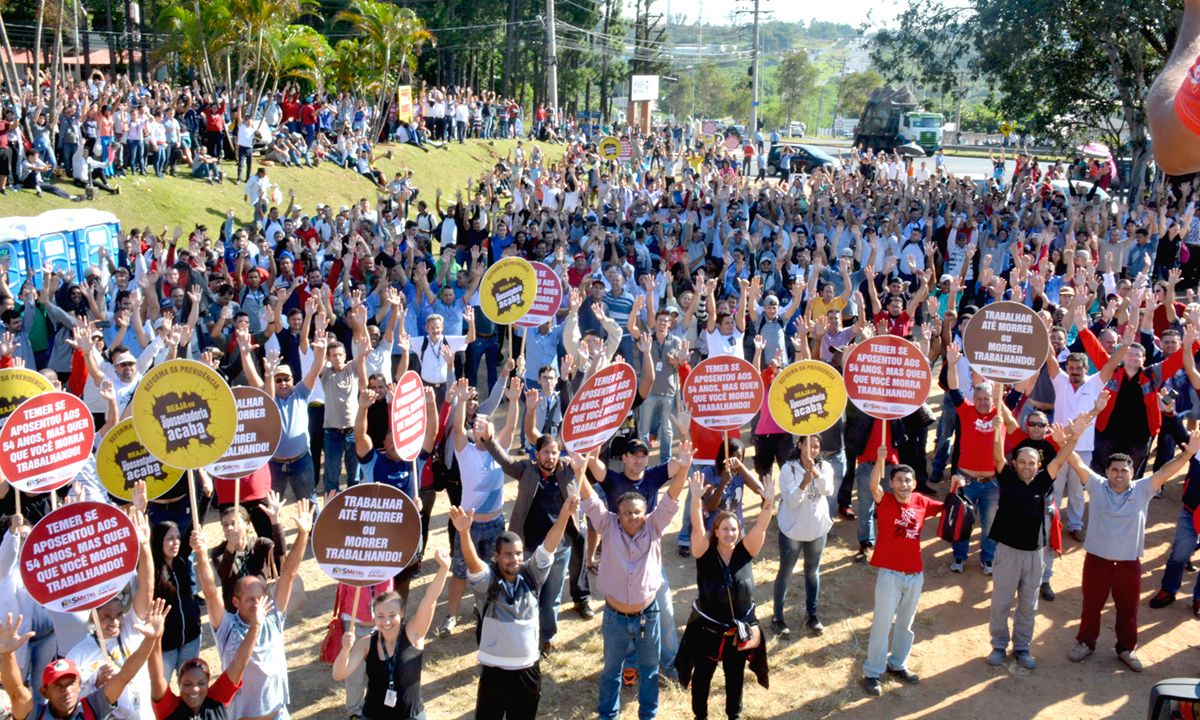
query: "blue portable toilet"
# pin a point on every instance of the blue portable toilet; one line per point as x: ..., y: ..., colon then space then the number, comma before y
x: 93, y: 230
x: 14, y: 250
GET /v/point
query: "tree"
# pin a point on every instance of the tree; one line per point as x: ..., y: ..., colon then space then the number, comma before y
x: 797, y: 77
x: 1064, y: 68
x: 854, y: 90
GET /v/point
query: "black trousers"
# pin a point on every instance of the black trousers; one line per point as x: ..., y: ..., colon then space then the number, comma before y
x: 316, y: 438
x: 508, y: 694
x: 733, y: 662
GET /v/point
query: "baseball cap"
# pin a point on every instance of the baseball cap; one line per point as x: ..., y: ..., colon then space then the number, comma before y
x: 636, y: 446
x: 122, y: 358
x: 672, y: 308
x: 58, y: 669
x: 283, y: 370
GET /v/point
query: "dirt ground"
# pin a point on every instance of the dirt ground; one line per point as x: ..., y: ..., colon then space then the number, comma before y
x: 818, y: 677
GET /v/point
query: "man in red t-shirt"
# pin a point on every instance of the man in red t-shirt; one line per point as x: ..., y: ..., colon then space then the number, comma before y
x: 901, y: 512
x: 976, y: 428
x: 893, y: 316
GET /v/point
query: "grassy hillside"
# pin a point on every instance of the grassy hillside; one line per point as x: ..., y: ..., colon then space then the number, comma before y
x: 184, y: 201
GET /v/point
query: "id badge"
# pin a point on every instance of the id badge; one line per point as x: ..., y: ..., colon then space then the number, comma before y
x: 389, y: 698
x: 658, y: 366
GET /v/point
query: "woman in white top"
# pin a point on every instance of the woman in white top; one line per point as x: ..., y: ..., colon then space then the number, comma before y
x: 805, y: 482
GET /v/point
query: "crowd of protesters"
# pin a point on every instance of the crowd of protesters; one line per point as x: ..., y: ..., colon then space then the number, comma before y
x: 673, y: 256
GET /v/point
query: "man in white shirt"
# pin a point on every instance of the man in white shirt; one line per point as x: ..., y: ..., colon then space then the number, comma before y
x: 725, y: 330
x: 256, y: 191
x: 435, y: 351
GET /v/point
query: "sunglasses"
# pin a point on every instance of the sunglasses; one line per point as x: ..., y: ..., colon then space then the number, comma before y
x: 1036, y: 424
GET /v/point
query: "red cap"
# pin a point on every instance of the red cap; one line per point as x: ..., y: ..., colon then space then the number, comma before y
x: 58, y: 669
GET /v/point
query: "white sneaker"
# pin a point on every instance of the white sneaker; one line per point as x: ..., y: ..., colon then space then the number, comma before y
x: 957, y: 566
x: 1079, y: 652
x: 987, y: 568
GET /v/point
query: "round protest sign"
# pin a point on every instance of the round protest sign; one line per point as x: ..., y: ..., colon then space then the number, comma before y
x: 407, y: 413
x: 18, y: 385
x: 732, y: 142
x: 807, y: 397
x: 609, y: 148
x: 709, y: 127
x: 122, y: 460
x: 626, y: 148
x: 887, y: 377
x: 1006, y: 342
x: 79, y: 556
x: 259, y: 427
x: 723, y: 393
x: 185, y: 414
x: 598, y: 409
x: 367, y: 534
x: 507, y: 290
x: 46, y: 442
x: 548, y: 298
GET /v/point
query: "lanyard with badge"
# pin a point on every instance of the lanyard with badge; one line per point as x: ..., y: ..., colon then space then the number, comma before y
x: 389, y: 697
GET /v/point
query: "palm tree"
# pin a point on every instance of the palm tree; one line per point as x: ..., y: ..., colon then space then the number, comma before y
x: 192, y: 42
x: 390, y: 35
x: 295, y: 52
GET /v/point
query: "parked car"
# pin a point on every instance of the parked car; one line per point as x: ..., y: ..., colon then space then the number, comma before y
x: 804, y: 157
x: 797, y: 129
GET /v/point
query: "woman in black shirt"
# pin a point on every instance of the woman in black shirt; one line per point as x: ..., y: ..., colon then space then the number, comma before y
x: 393, y: 653
x: 722, y: 624
x: 173, y: 584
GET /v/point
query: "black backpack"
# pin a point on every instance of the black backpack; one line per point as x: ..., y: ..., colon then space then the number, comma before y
x: 958, y: 518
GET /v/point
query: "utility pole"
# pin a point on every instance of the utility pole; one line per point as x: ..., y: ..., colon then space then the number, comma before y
x: 604, y: 86
x: 699, y: 45
x: 754, y: 73
x: 551, y: 60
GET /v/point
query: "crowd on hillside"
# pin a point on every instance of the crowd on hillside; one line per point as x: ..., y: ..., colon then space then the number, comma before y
x: 673, y: 256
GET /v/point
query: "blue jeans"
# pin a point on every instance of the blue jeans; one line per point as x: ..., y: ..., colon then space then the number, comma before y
x: 986, y: 496
x: 488, y: 347
x: 551, y: 591
x: 789, y: 552
x: 161, y: 153
x: 656, y: 415
x: 298, y: 474
x: 339, y: 451
x: 1181, y: 551
x: 173, y: 660
x: 896, y: 598
x: 668, y: 634
x: 623, y: 634
x: 136, y: 159
x: 866, y: 503
x: 245, y: 154
x: 945, y: 439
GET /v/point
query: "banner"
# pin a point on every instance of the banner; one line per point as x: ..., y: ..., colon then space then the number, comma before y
x: 609, y: 148
x: 1006, y: 342
x: 603, y: 402
x: 723, y: 393
x: 887, y: 377
x: 626, y: 149
x: 46, y: 442
x: 367, y: 534
x: 79, y: 556
x: 547, y: 300
x: 507, y: 290
x: 259, y: 428
x: 807, y: 397
x: 18, y: 385
x: 122, y: 460
x: 407, y: 413
x: 185, y: 414
x: 404, y: 104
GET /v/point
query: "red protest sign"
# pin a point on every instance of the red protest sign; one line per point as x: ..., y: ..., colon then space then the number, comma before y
x: 732, y: 142
x: 598, y: 409
x: 46, y: 441
x: 887, y: 377
x: 407, y: 416
x: 548, y: 299
x: 367, y: 534
x: 723, y: 393
x: 79, y: 556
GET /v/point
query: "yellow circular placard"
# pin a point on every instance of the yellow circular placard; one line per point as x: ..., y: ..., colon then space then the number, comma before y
x: 807, y: 397
x: 18, y: 385
x: 185, y: 414
x: 122, y: 460
x: 508, y: 290
x: 609, y: 148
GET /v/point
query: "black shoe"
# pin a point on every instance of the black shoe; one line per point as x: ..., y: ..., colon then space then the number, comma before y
x: 1048, y: 592
x: 864, y: 550
x: 872, y: 687
x: 1161, y: 599
x: 685, y: 551
x: 814, y: 625
x: 584, y: 609
x: 904, y: 674
x: 780, y: 628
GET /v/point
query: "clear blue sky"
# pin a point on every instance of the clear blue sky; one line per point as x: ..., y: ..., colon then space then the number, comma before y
x: 851, y: 12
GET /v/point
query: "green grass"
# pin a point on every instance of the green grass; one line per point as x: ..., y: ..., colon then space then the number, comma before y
x: 183, y: 201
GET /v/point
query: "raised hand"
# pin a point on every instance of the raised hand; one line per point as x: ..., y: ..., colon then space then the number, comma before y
x: 11, y: 636
x: 462, y: 519
x: 272, y: 507
x: 304, y: 515
x: 152, y: 626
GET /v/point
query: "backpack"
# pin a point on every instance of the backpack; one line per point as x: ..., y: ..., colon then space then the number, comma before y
x: 958, y: 518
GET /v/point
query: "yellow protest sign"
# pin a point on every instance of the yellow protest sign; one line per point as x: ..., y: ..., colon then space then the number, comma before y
x: 185, y: 414
x: 609, y: 148
x: 404, y: 105
x: 807, y: 397
x: 18, y: 385
x: 122, y: 460
x: 508, y: 290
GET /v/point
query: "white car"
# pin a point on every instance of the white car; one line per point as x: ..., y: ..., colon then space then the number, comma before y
x: 797, y: 129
